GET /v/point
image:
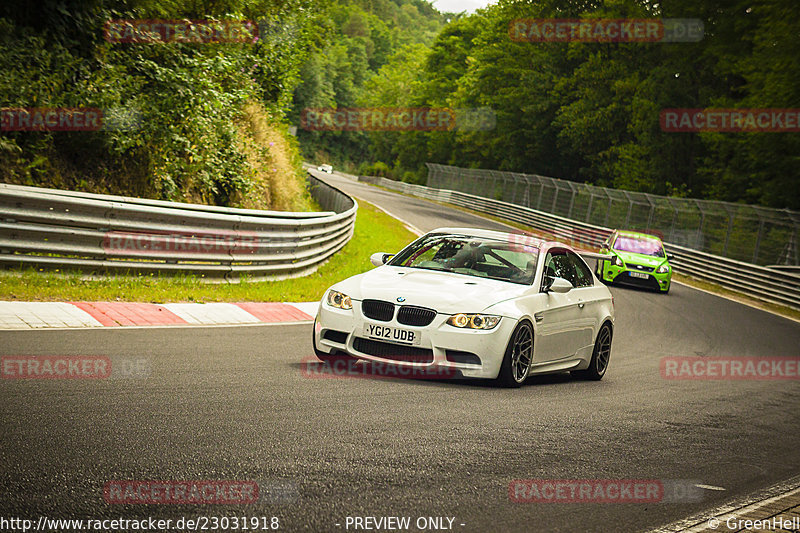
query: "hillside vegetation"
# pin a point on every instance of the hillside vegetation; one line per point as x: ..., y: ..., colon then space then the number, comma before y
x: 191, y: 121
x: 588, y: 111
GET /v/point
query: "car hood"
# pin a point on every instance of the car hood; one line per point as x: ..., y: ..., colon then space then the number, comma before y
x: 446, y: 292
x: 640, y: 259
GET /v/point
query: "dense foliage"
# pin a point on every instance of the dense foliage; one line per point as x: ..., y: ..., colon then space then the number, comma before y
x: 583, y: 111
x: 193, y: 121
x: 357, y: 41
x: 208, y: 122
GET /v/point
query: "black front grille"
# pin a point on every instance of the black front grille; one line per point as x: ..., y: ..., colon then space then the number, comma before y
x: 378, y: 310
x: 641, y: 268
x: 415, y: 316
x: 649, y: 283
x: 335, y: 336
x: 395, y: 352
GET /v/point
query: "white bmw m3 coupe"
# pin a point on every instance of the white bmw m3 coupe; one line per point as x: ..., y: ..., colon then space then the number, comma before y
x: 476, y: 303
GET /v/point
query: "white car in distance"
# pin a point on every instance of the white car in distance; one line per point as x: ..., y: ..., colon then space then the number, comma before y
x: 478, y: 303
x: 325, y: 168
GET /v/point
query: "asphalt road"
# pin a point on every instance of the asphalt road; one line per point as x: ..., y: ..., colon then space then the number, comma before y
x: 234, y: 403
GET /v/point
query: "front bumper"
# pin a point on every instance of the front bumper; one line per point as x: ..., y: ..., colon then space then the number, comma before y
x: 616, y: 274
x: 340, y: 330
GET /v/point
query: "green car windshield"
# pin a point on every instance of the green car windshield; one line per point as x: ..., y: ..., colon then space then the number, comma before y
x: 639, y: 245
x: 471, y: 256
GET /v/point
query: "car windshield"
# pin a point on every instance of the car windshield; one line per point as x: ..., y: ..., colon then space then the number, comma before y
x: 639, y: 245
x: 471, y: 256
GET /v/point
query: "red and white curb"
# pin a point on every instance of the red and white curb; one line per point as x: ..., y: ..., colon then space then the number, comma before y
x: 36, y: 315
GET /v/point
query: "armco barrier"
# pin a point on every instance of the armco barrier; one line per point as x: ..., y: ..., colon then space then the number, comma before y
x: 54, y: 229
x: 766, y: 284
x: 750, y: 233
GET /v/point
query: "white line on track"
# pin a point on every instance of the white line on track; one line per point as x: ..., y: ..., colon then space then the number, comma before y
x: 709, y: 487
x: 699, y: 521
x: 411, y: 227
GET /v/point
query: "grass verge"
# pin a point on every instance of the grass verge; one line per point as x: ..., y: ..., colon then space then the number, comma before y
x: 375, y: 231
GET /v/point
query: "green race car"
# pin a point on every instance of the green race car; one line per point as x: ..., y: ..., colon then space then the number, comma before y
x: 635, y: 259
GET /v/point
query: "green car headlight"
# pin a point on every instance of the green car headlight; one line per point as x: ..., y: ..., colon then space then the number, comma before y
x: 618, y: 261
x: 476, y: 321
x: 663, y: 269
x: 337, y: 299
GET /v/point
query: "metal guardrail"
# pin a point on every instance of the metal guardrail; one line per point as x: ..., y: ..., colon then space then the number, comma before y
x: 750, y: 233
x: 791, y: 269
x: 64, y: 230
x: 759, y: 282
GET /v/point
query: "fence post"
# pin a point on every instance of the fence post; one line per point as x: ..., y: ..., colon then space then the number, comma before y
x: 758, y: 238
x: 730, y: 230
x: 555, y: 197
x: 702, y: 219
x: 674, y: 220
x: 571, y: 200
x: 589, y: 209
x: 541, y: 190
x: 630, y: 207
x: 652, y: 212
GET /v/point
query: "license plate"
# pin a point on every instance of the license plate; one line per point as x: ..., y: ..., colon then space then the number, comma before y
x: 387, y: 333
x: 638, y: 275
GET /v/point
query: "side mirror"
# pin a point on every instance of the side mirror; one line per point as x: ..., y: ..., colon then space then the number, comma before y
x: 559, y: 285
x: 380, y: 258
x: 670, y: 257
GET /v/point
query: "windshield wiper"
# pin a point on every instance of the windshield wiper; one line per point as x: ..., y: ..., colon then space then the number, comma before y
x: 430, y: 268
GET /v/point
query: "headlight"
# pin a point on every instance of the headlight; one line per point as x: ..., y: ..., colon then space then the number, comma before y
x: 337, y: 299
x: 476, y: 321
x: 618, y: 261
x: 663, y: 269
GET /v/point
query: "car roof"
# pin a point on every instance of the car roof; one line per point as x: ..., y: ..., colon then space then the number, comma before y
x: 513, y: 237
x: 637, y: 235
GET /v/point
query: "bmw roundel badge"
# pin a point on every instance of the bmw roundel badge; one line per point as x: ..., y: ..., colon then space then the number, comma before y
x: 401, y: 299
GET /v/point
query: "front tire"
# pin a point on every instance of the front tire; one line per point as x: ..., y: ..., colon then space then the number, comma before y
x: 601, y: 354
x: 518, y: 358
